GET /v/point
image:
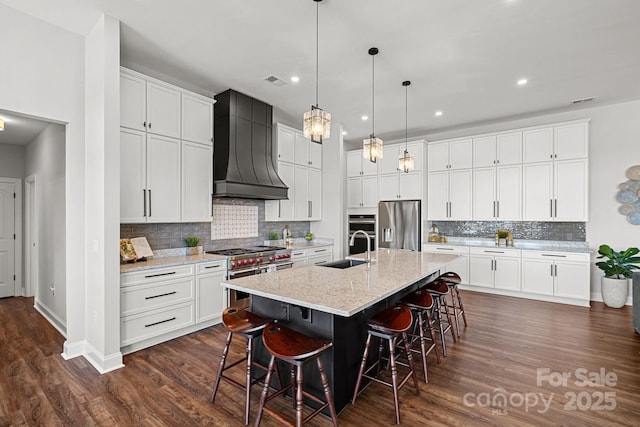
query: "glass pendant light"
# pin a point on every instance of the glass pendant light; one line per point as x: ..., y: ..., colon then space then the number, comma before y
x: 372, y: 146
x: 405, y: 162
x: 317, y: 122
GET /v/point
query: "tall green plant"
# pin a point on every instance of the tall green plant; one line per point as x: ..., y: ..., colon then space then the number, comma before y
x: 619, y: 264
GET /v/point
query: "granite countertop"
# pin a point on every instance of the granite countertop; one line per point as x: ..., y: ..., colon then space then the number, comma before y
x: 344, y: 292
x: 533, y: 245
x: 168, y: 261
x: 301, y: 243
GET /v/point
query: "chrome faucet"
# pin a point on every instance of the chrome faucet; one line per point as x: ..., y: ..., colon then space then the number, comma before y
x: 352, y: 242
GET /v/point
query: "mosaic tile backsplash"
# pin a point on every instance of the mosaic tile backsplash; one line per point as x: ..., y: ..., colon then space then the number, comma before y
x: 168, y: 236
x: 527, y: 230
x: 233, y: 221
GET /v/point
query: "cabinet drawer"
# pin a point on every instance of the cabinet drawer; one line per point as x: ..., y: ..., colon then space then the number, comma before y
x: 147, y: 325
x: 319, y: 251
x: 298, y: 253
x: 156, y: 274
x: 211, y: 267
x: 321, y: 259
x: 434, y: 248
x: 497, y: 252
x: 557, y: 256
x: 135, y: 299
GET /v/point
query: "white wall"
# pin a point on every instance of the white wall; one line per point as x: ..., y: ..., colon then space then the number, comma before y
x: 614, y: 146
x: 12, y: 161
x: 45, y: 158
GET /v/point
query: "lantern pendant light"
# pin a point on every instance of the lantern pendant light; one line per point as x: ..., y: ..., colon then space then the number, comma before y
x: 372, y: 146
x: 317, y: 122
x: 405, y: 162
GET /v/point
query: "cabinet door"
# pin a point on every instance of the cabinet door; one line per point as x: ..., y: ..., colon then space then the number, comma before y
x: 132, y: 176
x: 537, y: 276
x: 197, y: 180
x: 438, y: 156
x: 571, y: 141
x: 572, y: 280
x: 416, y: 149
x: 460, y: 154
x: 286, y: 144
x: 354, y: 192
x: 286, y: 209
x: 163, y: 110
x: 301, y: 149
x: 507, y: 273
x: 133, y: 104
x: 210, y: 297
x: 509, y: 193
x: 537, y: 145
x: 389, y: 162
x: 460, y: 194
x: 368, y: 167
x: 370, y: 191
x: 318, y: 260
x: 571, y: 189
x: 163, y: 179
x: 315, y: 155
x: 484, y: 194
x: 481, y: 270
x: 410, y: 185
x: 197, y: 119
x: 438, y: 195
x: 388, y: 186
x: 315, y: 193
x: 301, y: 195
x: 484, y: 151
x: 509, y: 148
x: 461, y: 267
x: 537, y: 188
x: 354, y: 163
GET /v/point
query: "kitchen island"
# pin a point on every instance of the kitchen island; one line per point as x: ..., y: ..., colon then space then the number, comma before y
x: 334, y: 304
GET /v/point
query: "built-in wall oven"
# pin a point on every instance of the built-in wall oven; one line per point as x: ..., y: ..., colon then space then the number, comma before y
x: 366, y: 223
x: 244, y: 262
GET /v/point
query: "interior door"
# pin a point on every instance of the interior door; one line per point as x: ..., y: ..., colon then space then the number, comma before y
x: 7, y: 241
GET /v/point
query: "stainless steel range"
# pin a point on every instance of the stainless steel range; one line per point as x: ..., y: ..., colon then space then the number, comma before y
x: 249, y: 261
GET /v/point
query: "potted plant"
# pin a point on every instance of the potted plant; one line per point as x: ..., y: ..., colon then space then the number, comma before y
x: 193, y: 245
x: 618, y: 268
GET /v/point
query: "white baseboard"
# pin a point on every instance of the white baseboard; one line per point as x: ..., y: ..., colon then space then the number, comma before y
x: 72, y: 349
x: 103, y: 363
x: 526, y: 295
x: 51, y: 317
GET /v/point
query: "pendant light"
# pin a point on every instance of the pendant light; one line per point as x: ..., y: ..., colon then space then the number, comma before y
x: 1, y: 124
x: 405, y: 162
x: 372, y: 146
x: 317, y: 122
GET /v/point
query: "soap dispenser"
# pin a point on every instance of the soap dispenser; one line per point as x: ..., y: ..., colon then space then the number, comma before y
x: 434, y: 234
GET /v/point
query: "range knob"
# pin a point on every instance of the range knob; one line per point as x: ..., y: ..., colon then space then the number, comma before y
x: 273, y: 257
x: 245, y: 262
x: 288, y: 255
x: 252, y: 261
x: 234, y: 264
x: 260, y: 260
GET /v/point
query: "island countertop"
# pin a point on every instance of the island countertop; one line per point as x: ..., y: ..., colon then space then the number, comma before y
x: 344, y: 292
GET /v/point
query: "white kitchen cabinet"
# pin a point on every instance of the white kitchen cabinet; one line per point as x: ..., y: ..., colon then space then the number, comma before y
x: 314, y: 193
x: 196, y: 203
x: 210, y: 296
x: 392, y: 153
x: 362, y: 192
x: 357, y: 165
x: 133, y: 176
x: 286, y: 138
x: 500, y: 149
x: 307, y: 153
x: 459, y: 266
x: 449, y: 155
x: 556, y: 191
x: 561, y: 142
x: 133, y: 101
x: 400, y: 185
x: 282, y: 210
x: 497, y: 193
x: 537, y: 145
x: 197, y: 118
x: 449, y: 195
x: 315, y: 255
x: 495, y: 268
x: 561, y: 274
x: 163, y: 179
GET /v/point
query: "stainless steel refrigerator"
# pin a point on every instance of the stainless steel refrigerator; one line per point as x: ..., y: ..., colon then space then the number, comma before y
x: 400, y: 225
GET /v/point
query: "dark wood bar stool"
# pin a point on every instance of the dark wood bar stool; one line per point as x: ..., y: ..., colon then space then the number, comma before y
x: 296, y: 349
x: 439, y: 290
x: 250, y: 326
x: 421, y: 304
x: 390, y: 324
x: 452, y: 280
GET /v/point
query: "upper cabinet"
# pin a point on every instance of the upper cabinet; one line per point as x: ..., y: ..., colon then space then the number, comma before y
x: 197, y: 118
x: 357, y: 165
x: 497, y: 150
x: 394, y: 183
x: 449, y: 155
x: 563, y: 142
x: 392, y: 153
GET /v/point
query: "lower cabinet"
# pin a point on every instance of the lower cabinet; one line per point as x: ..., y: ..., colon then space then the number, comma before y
x: 312, y: 256
x: 160, y: 304
x: 459, y: 266
x: 495, y: 268
x: 560, y: 274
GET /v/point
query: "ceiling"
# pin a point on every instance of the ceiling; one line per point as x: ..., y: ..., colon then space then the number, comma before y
x: 18, y: 129
x: 463, y: 57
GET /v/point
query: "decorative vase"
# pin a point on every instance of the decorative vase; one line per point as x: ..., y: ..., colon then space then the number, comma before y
x: 194, y: 250
x: 614, y: 291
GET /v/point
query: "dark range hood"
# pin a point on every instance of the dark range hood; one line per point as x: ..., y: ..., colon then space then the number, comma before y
x: 242, y: 156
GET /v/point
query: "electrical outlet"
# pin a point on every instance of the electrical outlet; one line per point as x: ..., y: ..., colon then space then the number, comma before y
x: 284, y: 312
x: 52, y: 288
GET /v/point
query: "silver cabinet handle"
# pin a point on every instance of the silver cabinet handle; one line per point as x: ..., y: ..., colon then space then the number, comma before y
x: 279, y: 207
x: 555, y: 208
x: 149, y: 202
x: 551, y: 267
x: 498, y: 209
x: 144, y: 202
x: 551, y: 207
x: 310, y: 208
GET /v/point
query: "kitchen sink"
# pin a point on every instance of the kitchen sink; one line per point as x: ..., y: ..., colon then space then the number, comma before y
x: 344, y: 263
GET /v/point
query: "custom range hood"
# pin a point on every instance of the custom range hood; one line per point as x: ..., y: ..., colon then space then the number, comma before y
x: 242, y: 160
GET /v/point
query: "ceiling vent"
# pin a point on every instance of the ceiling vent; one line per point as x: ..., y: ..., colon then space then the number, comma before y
x: 275, y: 80
x: 580, y: 101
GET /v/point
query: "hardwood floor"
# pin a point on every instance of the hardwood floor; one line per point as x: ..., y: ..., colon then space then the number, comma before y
x: 499, y: 354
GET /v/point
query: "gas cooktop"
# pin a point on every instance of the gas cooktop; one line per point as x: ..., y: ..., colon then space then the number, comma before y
x: 245, y: 251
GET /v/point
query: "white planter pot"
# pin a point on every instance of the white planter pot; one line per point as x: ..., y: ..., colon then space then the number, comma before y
x: 614, y: 291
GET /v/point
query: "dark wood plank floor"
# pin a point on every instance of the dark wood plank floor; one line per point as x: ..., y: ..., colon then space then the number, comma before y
x: 507, y: 342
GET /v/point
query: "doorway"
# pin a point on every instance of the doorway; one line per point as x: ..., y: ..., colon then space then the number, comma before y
x: 30, y: 237
x: 10, y: 237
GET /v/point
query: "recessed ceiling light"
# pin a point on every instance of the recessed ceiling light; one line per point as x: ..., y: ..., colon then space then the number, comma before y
x: 295, y: 79
x: 344, y: 132
x: 522, y: 82
x: 365, y: 118
x: 438, y: 113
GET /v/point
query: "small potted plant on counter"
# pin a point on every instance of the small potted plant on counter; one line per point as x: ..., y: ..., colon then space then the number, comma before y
x: 193, y: 245
x: 618, y: 268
